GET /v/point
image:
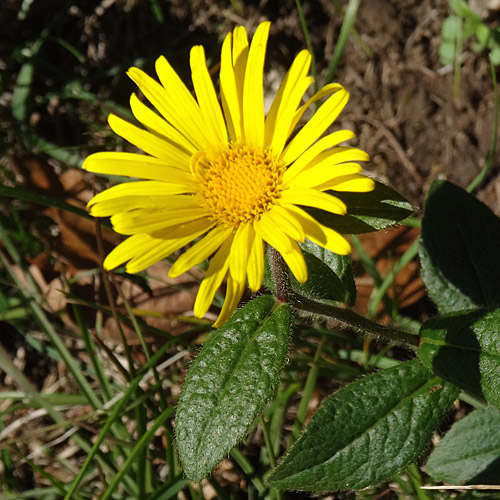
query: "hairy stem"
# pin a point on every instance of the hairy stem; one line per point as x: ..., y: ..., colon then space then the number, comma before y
x: 345, y: 318
x: 349, y: 319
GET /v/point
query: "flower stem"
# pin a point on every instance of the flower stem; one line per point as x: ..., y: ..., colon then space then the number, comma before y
x: 281, y: 278
x: 345, y: 318
x: 349, y: 319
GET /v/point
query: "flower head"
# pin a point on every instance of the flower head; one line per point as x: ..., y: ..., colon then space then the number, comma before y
x: 230, y: 177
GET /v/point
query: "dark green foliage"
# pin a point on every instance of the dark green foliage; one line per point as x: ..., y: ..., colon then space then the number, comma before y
x: 229, y: 383
x: 369, y: 430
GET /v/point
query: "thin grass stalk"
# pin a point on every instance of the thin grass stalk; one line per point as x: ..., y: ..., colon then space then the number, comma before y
x: 371, y: 269
x: 480, y: 177
x: 345, y: 31
x: 9, y: 368
x: 168, y: 490
x: 90, y: 348
x: 115, y: 413
x: 137, y: 452
x: 309, y: 387
x: 248, y: 469
x: 309, y: 44
x: 47, y: 327
x: 109, y: 295
x: 379, y: 293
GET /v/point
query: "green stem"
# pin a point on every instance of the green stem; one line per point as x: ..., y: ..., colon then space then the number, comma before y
x: 309, y: 386
x: 344, y: 317
x: 473, y: 185
x: 307, y: 36
x: 248, y: 469
x: 345, y: 31
x: 349, y: 319
x: 281, y: 278
x: 381, y: 289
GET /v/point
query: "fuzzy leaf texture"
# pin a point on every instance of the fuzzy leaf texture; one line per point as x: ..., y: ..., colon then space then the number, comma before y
x: 330, y: 275
x: 464, y: 348
x: 470, y: 451
x: 367, y: 212
x: 229, y: 383
x: 460, y: 250
x: 372, y: 428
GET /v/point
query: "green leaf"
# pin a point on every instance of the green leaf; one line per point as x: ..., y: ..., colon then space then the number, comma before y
x: 366, y: 212
x: 330, y: 275
x: 461, y: 7
x: 446, y: 52
x: 470, y: 451
x: 229, y: 383
x: 482, y: 33
x: 451, y: 28
x: 460, y: 250
x: 495, y: 55
x: 369, y: 430
x: 464, y: 348
x: 469, y: 27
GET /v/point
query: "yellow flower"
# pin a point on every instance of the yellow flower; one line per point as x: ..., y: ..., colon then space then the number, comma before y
x: 233, y: 177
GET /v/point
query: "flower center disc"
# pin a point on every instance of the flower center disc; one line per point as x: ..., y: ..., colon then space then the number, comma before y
x: 237, y: 184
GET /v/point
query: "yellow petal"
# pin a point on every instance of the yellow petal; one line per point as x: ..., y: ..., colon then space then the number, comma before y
x: 295, y: 261
x: 253, y: 89
x: 313, y: 198
x: 255, y: 267
x: 234, y: 291
x: 229, y: 94
x: 168, y: 104
x: 318, y: 233
x: 136, y: 165
x: 288, y: 97
x: 318, y: 151
x: 200, y: 251
x: 323, y: 92
x: 139, y: 245
x: 312, y: 130
x: 206, y: 96
x: 184, y: 234
x: 184, y: 102
x: 156, y: 124
x: 134, y: 245
x: 279, y: 218
x: 266, y: 229
x: 287, y: 247
x: 240, y: 58
x: 148, y: 142
x: 131, y: 195
x: 242, y: 244
x: 355, y: 183
x: 146, y: 220
x: 213, y: 278
x: 324, y: 173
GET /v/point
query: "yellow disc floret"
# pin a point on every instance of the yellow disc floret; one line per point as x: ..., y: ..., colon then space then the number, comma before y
x: 237, y: 184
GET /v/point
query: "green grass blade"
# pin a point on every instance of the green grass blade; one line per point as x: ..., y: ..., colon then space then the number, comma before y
x: 42, y: 199
x: 379, y: 293
x: 309, y: 44
x: 309, y: 387
x: 480, y: 177
x: 168, y: 490
x: 345, y: 31
x: 137, y: 451
x: 115, y: 413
